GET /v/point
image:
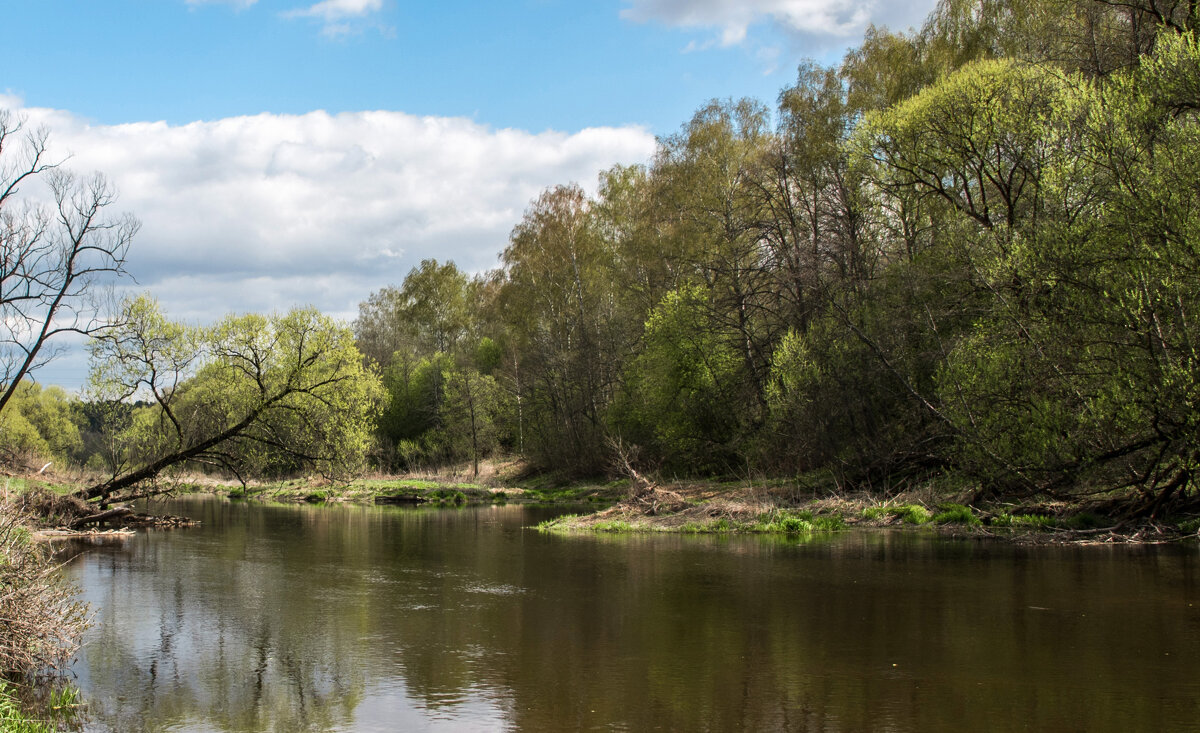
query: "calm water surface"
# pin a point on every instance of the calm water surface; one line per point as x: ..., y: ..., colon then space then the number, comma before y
x: 281, y: 618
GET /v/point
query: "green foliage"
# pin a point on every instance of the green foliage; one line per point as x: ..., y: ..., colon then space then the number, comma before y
x: 968, y: 251
x: 682, y: 388
x: 874, y: 512
x: 429, y: 314
x: 447, y: 497
x: 252, y: 394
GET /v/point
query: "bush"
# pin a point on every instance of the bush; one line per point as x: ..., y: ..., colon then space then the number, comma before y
x: 40, y: 621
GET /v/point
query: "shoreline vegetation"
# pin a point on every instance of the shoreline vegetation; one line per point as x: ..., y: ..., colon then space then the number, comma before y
x: 636, y: 504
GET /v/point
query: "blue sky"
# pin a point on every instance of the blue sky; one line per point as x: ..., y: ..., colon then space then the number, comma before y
x: 291, y: 152
x: 532, y: 64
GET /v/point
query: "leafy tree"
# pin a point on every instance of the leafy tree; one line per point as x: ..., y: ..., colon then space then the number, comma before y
x: 248, y: 392
x: 559, y: 307
x: 430, y: 313
x: 683, y: 390
x: 473, y: 401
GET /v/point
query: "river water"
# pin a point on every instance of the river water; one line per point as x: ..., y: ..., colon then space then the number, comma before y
x: 343, y: 618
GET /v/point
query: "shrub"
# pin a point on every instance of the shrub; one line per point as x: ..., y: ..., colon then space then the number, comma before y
x: 40, y: 621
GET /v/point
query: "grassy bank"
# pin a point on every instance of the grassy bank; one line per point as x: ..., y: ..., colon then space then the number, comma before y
x: 415, y: 490
x: 783, y: 509
x: 787, y: 507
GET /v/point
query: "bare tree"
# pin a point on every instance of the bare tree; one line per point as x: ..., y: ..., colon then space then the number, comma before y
x: 53, y: 255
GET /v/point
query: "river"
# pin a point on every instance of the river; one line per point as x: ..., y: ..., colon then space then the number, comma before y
x: 347, y: 618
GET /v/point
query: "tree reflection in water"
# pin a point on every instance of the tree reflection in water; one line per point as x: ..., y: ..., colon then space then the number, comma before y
x: 360, y: 619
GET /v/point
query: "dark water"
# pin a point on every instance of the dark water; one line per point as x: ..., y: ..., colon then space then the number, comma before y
x: 380, y: 619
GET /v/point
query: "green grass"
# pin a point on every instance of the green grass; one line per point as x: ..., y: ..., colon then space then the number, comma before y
x: 14, y: 720
x: 910, y: 513
x: 785, y: 522
x: 558, y: 523
x: 1030, y: 521
x: 613, y: 525
x: 955, y: 514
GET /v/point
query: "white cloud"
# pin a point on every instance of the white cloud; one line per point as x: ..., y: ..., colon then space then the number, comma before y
x: 334, y: 10
x: 341, y: 18
x: 270, y: 211
x: 843, y: 19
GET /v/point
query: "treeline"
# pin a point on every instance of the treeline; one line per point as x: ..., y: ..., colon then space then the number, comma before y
x: 970, y: 249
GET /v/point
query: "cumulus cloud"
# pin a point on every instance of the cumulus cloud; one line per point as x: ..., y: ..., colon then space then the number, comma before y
x: 842, y: 19
x: 265, y: 212
x: 341, y: 18
x: 333, y: 10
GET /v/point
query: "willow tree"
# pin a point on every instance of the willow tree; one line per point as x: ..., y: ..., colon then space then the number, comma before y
x: 251, y: 393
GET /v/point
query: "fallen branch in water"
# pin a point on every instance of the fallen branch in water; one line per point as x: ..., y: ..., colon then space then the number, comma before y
x: 100, y: 517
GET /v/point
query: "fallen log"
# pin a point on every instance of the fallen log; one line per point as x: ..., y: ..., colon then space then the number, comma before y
x: 100, y: 517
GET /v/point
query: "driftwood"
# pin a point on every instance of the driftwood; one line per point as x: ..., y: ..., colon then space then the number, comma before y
x: 100, y: 517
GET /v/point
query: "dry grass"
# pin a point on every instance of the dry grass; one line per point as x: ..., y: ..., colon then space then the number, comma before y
x: 41, y: 622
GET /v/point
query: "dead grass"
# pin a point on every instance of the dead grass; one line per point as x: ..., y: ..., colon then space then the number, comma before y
x: 41, y: 622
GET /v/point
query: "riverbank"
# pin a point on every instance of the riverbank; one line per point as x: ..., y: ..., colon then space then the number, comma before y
x: 701, y: 506
x: 431, y: 490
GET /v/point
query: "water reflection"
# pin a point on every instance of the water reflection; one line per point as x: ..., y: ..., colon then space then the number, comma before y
x: 361, y: 619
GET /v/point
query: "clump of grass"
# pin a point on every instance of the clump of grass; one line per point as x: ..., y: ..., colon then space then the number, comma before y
x: 13, y: 719
x: 910, y: 513
x: 613, y: 525
x: 1031, y: 521
x: 798, y: 523
x: 955, y: 514
x: 548, y: 525
x: 874, y: 512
